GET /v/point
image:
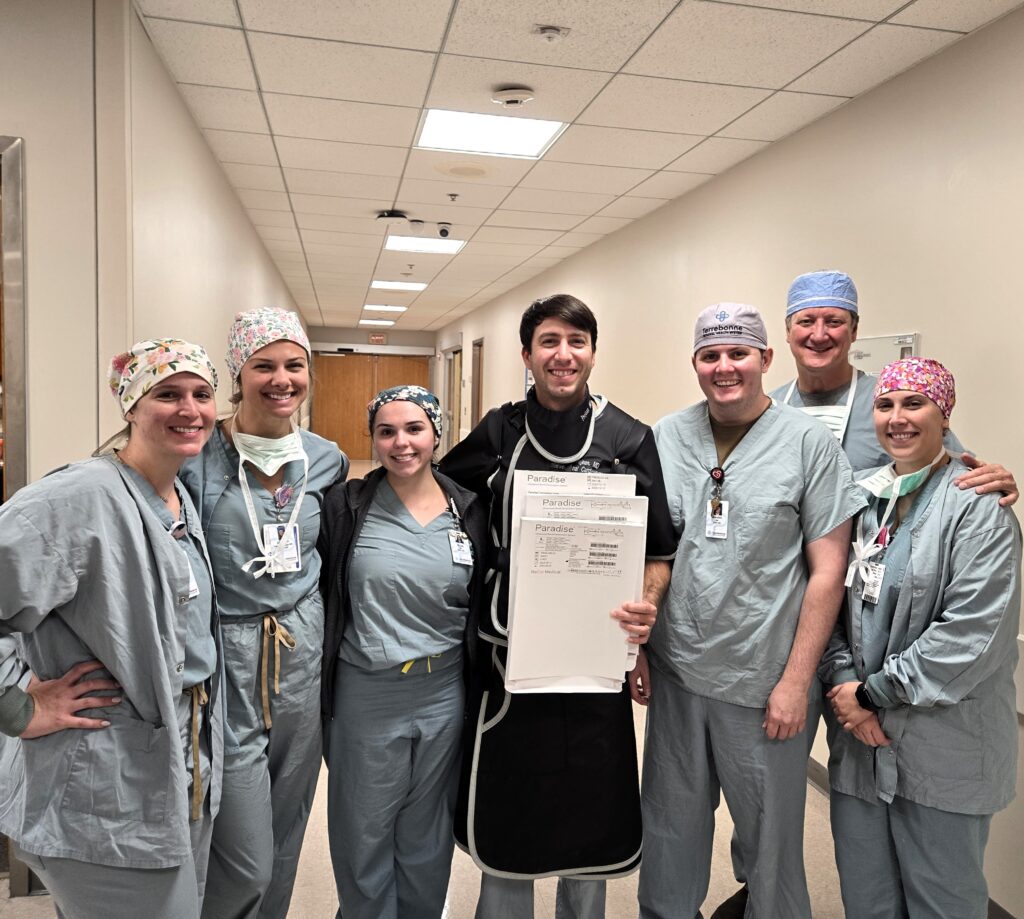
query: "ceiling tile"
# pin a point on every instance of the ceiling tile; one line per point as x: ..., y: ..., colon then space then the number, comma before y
x: 465, y: 84
x: 602, y: 225
x: 341, y: 207
x: 214, y: 12
x: 669, y: 184
x: 364, y: 159
x: 364, y: 225
x: 338, y: 70
x: 341, y: 184
x: 726, y: 43
x: 961, y: 15
x: 629, y: 206
x: 340, y: 318
x: 263, y: 200
x: 583, y: 143
x: 510, y: 249
x: 229, y: 109
x: 209, y: 55
x: 579, y: 239
x: 601, y: 36
x: 884, y: 52
x: 873, y: 10
x: 334, y: 253
x: 562, y: 252
x: 458, y: 216
x: 571, y: 177
x: 281, y: 246
x: 780, y: 115
x: 261, y: 218
x: 278, y: 233
x: 332, y: 119
x: 465, y: 167
x: 239, y: 147
x: 266, y: 178
x: 358, y: 240
x: 543, y: 262
x: 398, y: 23
x: 681, y: 107
x: 556, y: 202
x: 716, y: 154
x: 512, y: 235
x: 532, y: 220
x: 422, y: 191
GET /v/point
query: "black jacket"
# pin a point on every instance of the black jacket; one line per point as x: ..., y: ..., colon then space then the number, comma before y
x: 344, y: 512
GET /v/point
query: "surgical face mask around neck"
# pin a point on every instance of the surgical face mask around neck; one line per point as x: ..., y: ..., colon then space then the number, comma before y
x: 886, y: 484
x: 268, y: 454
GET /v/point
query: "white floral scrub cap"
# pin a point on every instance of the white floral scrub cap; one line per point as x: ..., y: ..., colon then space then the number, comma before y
x: 134, y: 373
x: 255, y: 329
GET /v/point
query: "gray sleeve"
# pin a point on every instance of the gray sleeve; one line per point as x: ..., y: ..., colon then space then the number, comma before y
x: 16, y: 708
x: 837, y: 661
x: 830, y: 496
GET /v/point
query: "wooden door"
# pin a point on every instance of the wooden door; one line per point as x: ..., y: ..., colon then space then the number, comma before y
x: 345, y: 383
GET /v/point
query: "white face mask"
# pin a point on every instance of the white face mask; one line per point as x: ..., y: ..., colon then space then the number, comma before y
x: 886, y: 484
x: 268, y: 454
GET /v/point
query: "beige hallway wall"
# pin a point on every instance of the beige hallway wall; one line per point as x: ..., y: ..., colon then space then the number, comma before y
x: 916, y: 189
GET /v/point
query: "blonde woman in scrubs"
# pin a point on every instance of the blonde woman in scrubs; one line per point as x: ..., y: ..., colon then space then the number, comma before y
x: 259, y: 485
x: 924, y: 734
x: 402, y: 579
x: 109, y: 686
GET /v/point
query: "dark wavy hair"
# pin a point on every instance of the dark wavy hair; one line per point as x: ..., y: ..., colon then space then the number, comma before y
x: 558, y: 306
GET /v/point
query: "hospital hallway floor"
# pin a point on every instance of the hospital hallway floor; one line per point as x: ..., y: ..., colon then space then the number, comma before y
x: 315, y: 897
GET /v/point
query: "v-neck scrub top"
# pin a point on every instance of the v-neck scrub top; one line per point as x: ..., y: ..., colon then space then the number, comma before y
x: 409, y: 598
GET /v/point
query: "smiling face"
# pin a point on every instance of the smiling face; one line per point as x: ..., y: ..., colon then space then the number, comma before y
x: 174, y: 419
x: 403, y: 439
x: 909, y: 426
x: 275, y: 380
x: 820, y: 338
x: 561, y: 358
x: 730, y: 377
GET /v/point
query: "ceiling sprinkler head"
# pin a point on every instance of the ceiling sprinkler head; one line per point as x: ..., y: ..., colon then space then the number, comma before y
x: 512, y: 96
x: 550, y: 35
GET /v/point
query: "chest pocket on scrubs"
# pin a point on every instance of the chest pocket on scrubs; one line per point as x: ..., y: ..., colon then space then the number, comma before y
x: 119, y: 771
x: 767, y: 530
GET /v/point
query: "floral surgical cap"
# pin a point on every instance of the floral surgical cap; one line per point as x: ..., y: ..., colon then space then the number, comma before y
x: 134, y: 373
x: 424, y: 398
x: 255, y: 329
x: 921, y: 375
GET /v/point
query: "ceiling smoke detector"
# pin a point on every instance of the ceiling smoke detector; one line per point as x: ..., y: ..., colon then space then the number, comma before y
x: 392, y: 218
x: 512, y: 96
x: 550, y: 35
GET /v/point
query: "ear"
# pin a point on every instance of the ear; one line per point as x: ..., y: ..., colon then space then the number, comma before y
x: 766, y: 359
x: 526, y: 357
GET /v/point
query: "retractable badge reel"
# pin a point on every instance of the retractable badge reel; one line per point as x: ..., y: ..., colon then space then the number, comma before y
x: 716, y: 525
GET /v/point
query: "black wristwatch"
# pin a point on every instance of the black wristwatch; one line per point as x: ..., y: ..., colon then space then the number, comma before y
x: 864, y: 700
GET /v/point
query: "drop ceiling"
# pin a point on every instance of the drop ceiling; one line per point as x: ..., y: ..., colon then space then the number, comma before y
x: 312, y: 108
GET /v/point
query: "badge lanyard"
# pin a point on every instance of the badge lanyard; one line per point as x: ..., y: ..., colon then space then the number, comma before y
x: 716, y: 524
x: 277, y: 556
x: 462, y: 549
x: 837, y: 421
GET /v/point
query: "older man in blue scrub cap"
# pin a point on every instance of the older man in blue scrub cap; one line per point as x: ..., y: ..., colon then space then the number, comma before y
x: 764, y: 497
x: 822, y: 315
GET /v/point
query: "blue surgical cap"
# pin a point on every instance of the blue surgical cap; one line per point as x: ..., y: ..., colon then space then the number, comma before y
x: 821, y: 288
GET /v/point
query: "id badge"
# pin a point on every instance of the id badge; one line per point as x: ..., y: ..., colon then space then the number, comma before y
x: 716, y: 524
x: 281, y: 541
x: 193, y: 585
x: 462, y: 549
x: 872, y: 588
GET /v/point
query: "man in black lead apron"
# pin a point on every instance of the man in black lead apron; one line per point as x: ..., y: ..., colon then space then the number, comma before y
x: 550, y: 780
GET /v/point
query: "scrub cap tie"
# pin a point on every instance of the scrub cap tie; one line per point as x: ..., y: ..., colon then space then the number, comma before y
x: 255, y: 329
x: 134, y: 373
x: 921, y: 375
x: 818, y: 289
x: 424, y: 398
x: 730, y: 324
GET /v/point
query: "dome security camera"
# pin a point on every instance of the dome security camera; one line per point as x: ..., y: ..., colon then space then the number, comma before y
x: 444, y: 230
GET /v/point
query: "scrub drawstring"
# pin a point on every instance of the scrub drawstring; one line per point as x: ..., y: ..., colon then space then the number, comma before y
x: 199, y: 699
x: 272, y: 629
x: 407, y: 666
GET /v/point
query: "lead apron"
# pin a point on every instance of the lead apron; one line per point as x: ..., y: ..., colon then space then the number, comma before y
x: 552, y: 785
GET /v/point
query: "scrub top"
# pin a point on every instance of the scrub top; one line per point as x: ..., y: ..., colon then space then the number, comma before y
x: 200, y: 645
x: 730, y: 614
x: 409, y: 598
x: 860, y: 443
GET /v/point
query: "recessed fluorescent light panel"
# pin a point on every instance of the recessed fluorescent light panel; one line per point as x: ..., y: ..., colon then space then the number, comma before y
x: 494, y: 135
x: 376, y: 321
x: 398, y: 285
x: 383, y: 308
x: 422, y: 244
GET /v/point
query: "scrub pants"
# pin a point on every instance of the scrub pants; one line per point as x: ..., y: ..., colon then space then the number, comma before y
x: 393, y: 758
x: 270, y: 774
x: 512, y: 898
x: 696, y: 748
x: 907, y: 861
x: 85, y: 890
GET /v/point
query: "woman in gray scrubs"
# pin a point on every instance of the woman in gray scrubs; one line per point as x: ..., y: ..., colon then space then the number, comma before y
x: 259, y: 485
x: 109, y: 659
x: 403, y: 566
x: 924, y: 734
